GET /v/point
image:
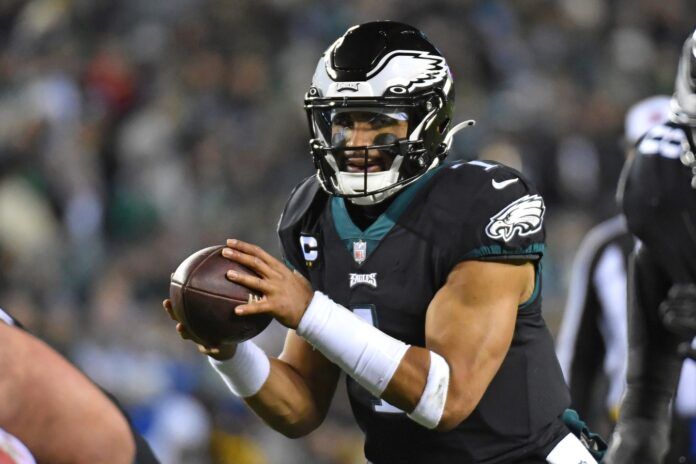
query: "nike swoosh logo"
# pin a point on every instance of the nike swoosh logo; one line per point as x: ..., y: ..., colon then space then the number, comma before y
x: 503, y: 184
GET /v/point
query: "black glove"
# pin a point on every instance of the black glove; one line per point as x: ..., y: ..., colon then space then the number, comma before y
x: 678, y: 311
x: 638, y: 440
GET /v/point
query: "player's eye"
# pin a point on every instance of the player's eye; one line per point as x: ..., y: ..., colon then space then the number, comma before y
x: 381, y: 121
x: 342, y: 120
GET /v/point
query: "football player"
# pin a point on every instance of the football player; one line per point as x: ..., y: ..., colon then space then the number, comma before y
x: 418, y: 278
x: 659, y: 201
x: 59, y: 415
x: 592, y: 344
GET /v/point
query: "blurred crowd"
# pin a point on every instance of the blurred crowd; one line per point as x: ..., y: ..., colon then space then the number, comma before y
x: 133, y: 133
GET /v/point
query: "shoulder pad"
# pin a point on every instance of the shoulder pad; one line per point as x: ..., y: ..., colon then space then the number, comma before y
x: 488, y: 181
x: 664, y: 140
x: 485, y: 171
x: 481, y: 209
x: 304, y: 198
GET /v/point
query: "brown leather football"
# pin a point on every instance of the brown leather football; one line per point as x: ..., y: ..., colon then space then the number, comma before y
x: 204, y: 299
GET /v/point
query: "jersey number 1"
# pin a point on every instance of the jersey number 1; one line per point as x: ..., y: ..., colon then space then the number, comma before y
x: 366, y: 314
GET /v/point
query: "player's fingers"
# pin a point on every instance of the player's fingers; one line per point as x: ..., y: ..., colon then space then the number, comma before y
x: 167, y: 305
x: 249, y: 281
x: 208, y: 349
x: 183, y: 333
x: 254, y: 250
x: 252, y: 262
x: 255, y: 307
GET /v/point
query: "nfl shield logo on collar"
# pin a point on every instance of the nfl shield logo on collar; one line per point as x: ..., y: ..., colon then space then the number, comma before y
x: 359, y: 251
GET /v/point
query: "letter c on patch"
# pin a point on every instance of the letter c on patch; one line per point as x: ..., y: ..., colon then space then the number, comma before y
x: 310, y: 247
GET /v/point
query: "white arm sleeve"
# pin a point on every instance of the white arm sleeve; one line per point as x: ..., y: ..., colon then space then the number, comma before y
x: 369, y: 355
x: 361, y: 350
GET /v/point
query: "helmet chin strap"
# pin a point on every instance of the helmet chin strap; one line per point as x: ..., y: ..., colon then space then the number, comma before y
x: 381, y: 196
x: 354, y: 183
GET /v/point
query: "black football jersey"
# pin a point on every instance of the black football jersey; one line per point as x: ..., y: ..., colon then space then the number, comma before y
x: 660, y: 207
x: 659, y: 202
x: 388, y: 274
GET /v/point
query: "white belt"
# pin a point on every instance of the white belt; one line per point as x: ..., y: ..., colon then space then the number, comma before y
x: 570, y: 450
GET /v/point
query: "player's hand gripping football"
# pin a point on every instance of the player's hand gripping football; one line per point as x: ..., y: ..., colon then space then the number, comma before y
x: 221, y: 352
x: 286, y: 293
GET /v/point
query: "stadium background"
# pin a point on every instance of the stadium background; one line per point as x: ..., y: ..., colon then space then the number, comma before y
x: 135, y: 132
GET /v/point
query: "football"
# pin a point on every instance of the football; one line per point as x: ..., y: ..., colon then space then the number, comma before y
x: 203, y: 299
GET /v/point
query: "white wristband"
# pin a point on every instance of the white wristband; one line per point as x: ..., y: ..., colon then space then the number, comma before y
x: 246, y: 372
x: 429, y: 409
x: 362, y: 351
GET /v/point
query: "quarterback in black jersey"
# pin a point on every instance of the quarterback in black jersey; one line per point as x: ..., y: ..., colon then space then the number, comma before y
x: 659, y: 200
x: 417, y: 277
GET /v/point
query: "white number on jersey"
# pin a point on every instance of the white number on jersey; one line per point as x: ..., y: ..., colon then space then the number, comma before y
x: 365, y: 313
x: 663, y: 141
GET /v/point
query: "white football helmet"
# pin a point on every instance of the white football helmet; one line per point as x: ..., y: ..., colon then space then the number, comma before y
x: 683, y: 105
x: 380, y: 69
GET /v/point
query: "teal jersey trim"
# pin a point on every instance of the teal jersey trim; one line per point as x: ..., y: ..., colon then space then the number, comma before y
x: 497, y: 250
x: 349, y: 232
x: 289, y: 264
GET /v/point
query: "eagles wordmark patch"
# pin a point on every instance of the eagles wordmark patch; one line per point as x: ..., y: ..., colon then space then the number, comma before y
x: 363, y: 279
x: 523, y: 216
x: 347, y: 86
